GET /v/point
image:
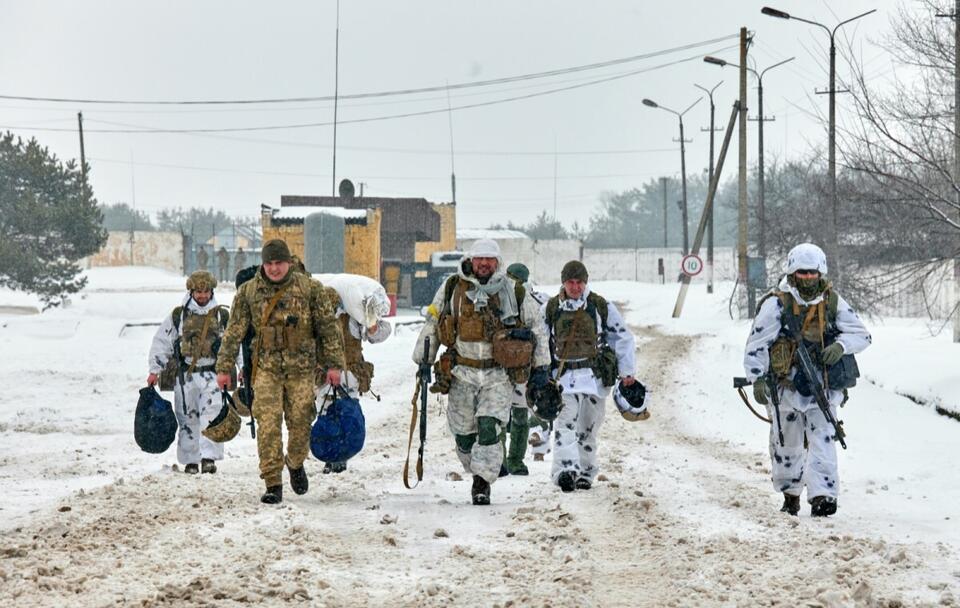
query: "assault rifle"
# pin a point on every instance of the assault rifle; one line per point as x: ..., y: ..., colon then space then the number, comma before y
x: 815, y: 377
x: 770, y: 380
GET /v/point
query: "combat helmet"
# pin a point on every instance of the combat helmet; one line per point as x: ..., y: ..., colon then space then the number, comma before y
x: 201, y: 280
x: 227, y: 423
x: 631, y: 401
x: 545, y: 401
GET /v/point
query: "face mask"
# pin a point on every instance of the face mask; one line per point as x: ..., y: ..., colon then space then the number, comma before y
x: 808, y: 287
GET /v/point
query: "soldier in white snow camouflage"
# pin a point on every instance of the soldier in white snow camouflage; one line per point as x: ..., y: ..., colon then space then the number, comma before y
x: 481, y: 314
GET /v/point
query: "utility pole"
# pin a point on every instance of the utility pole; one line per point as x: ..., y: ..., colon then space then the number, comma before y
x: 712, y: 130
x: 453, y: 173
x: 742, y: 180
x: 683, y: 187
x: 554, y: 185
x: 664, y: 180
x: 833, y: 230
x: 336, y: 93
x: 83, y: 157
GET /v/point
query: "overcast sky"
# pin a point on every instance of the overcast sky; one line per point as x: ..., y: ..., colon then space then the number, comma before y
x: 238, y: 50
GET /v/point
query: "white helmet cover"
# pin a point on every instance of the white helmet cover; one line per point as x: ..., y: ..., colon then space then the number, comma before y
x: 628, y: 411
x: 805, y: 256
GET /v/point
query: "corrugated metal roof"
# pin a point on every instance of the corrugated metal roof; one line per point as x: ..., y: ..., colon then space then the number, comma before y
x: 469, y: 234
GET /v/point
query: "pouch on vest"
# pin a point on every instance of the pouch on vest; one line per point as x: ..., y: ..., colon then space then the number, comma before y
x: 840, y: 376
x: 168, y: 376
x: 443, y: 372
x: 781, y: 356
x: 605, y: 366
x: 446, y: 330
x: 513, y: 348
x: 472, y: 328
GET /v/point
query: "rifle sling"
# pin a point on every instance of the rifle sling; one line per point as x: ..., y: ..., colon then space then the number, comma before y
x: 413, y: 427
x: 263, y: 321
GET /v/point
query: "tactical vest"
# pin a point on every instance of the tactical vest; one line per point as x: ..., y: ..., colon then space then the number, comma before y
x: 575, y: 333
x: 461, y: 320
x: 193, y: 342
x: 289, y: 328
x: 817, y: 323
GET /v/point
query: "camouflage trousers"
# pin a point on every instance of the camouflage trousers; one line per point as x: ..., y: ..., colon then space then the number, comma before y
x: 202, y: 406
x: 279, y: 400
x: 575, y: 435
x: 465, y: 403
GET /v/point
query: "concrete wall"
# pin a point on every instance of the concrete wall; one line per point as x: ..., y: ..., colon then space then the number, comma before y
x: 642, y: 264
x: 545, y: 258
x: 147, y: 248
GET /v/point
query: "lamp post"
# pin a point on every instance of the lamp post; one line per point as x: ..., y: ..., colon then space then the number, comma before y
x: 709, y: 93
x: 683, y: 163
x: 833, y: 236
x: 761, y: 208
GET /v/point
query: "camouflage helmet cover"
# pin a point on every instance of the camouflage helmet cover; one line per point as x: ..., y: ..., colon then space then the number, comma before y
x: 201, y: 280
x: 227, y: 423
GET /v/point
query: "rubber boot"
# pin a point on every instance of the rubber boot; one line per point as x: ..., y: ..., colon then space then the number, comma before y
x: 518, y: 442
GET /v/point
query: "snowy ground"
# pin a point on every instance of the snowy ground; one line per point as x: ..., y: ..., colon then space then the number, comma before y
x: 684, y: 515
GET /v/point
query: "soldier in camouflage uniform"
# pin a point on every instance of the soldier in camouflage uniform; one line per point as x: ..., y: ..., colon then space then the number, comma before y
x: 188, y: 339
x: 358, y: 372
x: 807, y: 457
x: 467, y: 312
x: 520, y: 415
x: 296, y: 347
x: 591, y: 347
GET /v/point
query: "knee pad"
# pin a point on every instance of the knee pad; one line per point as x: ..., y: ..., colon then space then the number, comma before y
x: 465, y: 442
x: 488, y: 431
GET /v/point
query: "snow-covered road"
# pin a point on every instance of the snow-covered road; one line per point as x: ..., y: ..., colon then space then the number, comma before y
x: 684, y: 514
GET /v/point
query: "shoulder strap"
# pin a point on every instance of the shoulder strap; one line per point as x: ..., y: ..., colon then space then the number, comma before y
x: 448, y: 288
x: 519, y: 292
x: 177, y: 313
x: 833, y: 302
x: 263, y: 320
x: 599, y: 306
x: 553, y: 309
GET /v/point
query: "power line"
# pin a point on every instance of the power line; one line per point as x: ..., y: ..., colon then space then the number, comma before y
x: 387, y: 117
x: 410, y: 91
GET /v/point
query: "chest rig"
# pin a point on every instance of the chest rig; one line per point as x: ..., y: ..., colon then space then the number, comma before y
x: 817, y: 326
x: 289, y: 326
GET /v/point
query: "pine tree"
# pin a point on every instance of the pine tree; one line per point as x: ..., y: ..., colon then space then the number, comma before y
x: 48, y: 221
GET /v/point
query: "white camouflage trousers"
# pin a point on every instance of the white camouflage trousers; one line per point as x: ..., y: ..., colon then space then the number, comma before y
x: 465, y: 403
x: 203, y: 404
x: 575, y: 433
x: 794, y: 467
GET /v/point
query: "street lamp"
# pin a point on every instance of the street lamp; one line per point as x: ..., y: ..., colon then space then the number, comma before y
x: 683, y: 163
x: 709, y: 93
x: 833, y: 237
x: 761, y: 209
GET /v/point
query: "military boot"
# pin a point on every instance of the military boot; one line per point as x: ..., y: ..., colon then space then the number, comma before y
x: 273, y: 495
x: 480, y: 491
x: 567, y: 481
x: 822, y: 506
x: 791, y: 504
x: 334, y: 467
x: 298, y: 480
x: 208, y: 466
x: 584, y: 484
x: 191, y: 469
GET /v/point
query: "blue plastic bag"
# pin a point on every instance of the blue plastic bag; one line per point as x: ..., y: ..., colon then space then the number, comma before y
x: 340, y: 429
x: 154, y: 423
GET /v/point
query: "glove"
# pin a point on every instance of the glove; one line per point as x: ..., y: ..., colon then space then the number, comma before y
x: 760, y: 393
x: 539, y: 377
x: 832, y: 354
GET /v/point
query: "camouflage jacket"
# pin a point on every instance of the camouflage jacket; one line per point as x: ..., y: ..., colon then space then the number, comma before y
x: 300, y: 336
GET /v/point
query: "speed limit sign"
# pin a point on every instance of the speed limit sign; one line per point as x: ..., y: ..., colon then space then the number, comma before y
x: 691, y: 265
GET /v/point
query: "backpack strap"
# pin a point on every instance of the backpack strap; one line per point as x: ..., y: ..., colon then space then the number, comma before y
x: 176, y: 316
